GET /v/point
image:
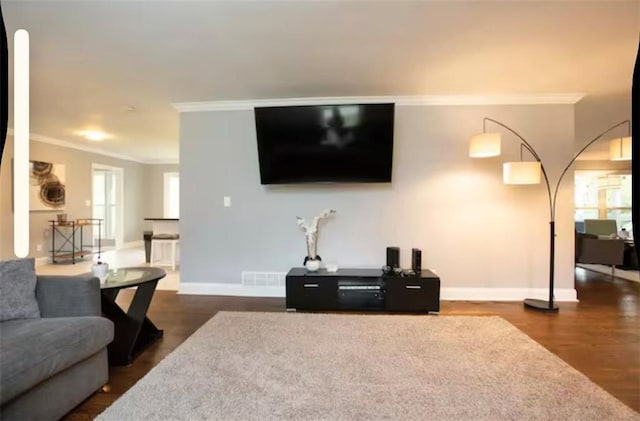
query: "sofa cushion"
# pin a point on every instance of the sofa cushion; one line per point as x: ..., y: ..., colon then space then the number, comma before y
x: 18, y: 290
x: 32, y: 350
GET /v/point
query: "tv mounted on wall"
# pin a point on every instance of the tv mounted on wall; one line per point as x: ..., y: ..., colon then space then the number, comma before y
x: 325, y: 143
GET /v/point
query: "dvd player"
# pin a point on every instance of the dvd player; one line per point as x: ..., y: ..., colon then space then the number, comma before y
x: 365, y: 294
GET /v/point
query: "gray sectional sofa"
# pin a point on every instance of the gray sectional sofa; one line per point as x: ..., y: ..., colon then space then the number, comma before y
x: 53, y: 360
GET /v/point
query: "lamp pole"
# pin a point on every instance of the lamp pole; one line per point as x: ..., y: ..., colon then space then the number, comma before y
x: 535, y: 304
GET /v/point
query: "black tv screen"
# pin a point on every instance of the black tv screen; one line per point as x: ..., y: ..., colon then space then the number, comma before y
x: 325, y: 143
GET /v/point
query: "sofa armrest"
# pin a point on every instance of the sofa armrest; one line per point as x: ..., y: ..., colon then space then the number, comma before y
x: 604, y: 252
x: 68, y: 296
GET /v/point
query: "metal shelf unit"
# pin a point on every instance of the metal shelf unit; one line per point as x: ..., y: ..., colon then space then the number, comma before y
x: 70, y: 239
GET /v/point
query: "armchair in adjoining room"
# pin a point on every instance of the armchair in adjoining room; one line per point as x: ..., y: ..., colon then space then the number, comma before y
x: 600, y: 227
x: 592, y: 250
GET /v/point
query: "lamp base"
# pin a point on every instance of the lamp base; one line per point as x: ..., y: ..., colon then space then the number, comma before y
x: 540, y: 305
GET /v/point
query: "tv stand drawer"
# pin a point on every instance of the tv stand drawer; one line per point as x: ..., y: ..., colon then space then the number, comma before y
x: 311, y: 294
x: 412, y: 294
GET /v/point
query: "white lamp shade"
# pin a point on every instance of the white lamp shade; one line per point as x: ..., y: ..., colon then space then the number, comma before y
x: 620, y: 149
x: 522, y: 172
x: 484, y: 145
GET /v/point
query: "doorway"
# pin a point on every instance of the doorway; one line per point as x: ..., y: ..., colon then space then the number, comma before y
x: 107, y: 204
x: 603, y: 199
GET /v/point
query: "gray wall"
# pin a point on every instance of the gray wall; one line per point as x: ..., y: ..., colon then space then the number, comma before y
x: 473, y: 230
x: 594, y: 115
x: 78, y: 176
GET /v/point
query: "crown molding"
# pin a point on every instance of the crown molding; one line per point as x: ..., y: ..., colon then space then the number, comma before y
x: 71, y: 145
x: 424, y: 100
x: 162, y: 161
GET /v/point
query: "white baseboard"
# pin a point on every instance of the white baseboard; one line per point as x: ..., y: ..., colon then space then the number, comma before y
x: 132, y: 244
x: 447, y: 294
x: 236, y: 290
x: 506, y: 294
x: 41, y: 261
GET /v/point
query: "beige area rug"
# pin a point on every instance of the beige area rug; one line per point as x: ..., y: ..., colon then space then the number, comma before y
x: 288, y: 366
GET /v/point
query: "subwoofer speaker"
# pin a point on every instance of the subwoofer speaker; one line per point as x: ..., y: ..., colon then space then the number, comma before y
x: 393, y: 257
x: 416, y: 260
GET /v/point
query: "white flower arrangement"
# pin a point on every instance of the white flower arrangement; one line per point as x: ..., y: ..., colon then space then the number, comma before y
x: 311, y: 232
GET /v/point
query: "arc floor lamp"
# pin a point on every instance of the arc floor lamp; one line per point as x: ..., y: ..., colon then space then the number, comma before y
x: 487, y: 144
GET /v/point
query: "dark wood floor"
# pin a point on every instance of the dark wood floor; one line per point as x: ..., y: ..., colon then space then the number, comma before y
x: 599, y: 336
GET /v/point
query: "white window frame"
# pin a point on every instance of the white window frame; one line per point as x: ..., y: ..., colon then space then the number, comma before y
x: 602, y: 207
x: 167, y: 199
x: 120, y: 215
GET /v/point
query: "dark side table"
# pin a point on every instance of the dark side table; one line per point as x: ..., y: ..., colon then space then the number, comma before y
x: 134, y: 332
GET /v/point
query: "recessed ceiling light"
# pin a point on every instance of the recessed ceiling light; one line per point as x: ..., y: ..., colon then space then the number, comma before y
x: 94, y: 136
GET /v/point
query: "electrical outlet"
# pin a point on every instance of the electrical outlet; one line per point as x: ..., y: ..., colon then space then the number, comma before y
x: 38, y: 247
x: 227, y: 201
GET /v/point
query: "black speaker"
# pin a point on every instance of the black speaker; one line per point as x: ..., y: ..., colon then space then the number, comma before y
x: 416, y: 260
x: 393, y: 257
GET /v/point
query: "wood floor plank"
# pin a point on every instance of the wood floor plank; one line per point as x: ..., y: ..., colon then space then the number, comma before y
x: 599, y: 336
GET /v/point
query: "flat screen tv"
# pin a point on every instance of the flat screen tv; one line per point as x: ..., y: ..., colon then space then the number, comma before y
x: 325, y: 143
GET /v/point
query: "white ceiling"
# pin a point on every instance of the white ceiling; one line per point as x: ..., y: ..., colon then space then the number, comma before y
x: 91, y: 60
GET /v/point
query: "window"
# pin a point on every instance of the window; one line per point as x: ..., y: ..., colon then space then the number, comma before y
x: 603, y: 195
x: 104, y: 201
x: 172, y: 195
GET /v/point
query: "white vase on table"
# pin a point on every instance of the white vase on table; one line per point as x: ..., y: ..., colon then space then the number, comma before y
x: 100, y: 270
x: 312, y: 265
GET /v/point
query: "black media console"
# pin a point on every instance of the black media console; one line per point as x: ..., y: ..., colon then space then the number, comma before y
x: 362, y: 289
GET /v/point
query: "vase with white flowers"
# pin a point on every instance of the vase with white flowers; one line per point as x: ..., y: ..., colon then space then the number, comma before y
x: 100, y: 268
x: 312, y: 260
